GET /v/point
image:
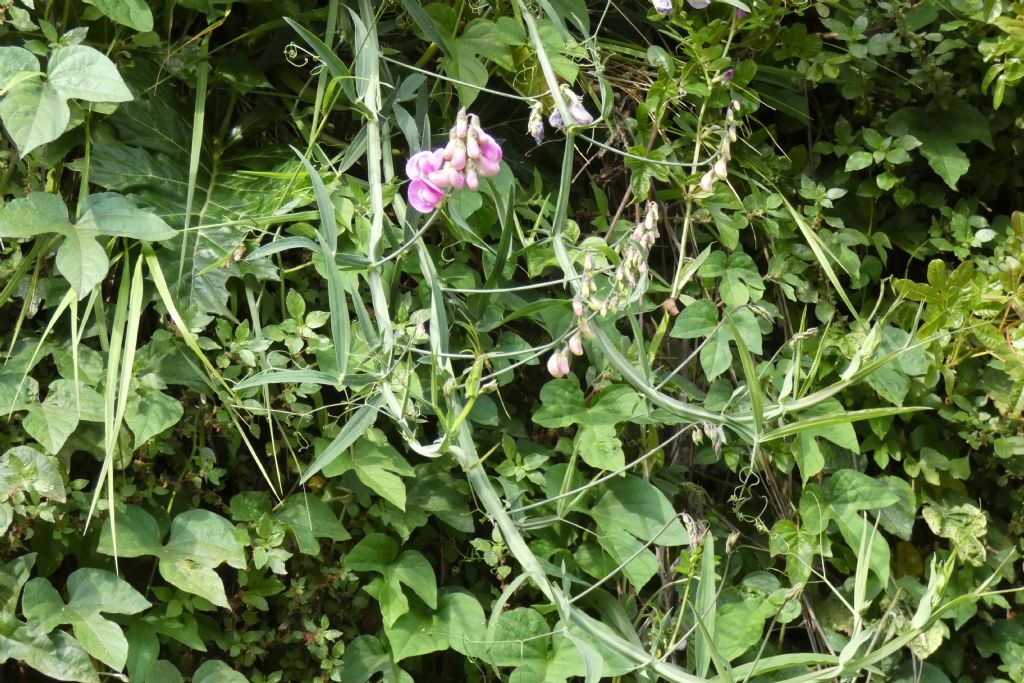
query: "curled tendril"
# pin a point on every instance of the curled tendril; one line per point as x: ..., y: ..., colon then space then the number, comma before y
x: 299, y: 57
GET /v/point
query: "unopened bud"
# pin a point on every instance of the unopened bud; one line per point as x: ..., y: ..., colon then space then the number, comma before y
x: 707, y: 182
x: 576, y: 344
x: 721, y: 169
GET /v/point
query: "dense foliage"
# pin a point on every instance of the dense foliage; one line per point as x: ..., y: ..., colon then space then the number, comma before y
x: 686, y: 346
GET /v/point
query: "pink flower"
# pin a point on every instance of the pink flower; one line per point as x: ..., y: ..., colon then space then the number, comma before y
x: 423, y: 163
x: 489, y: 149
x: 424, y: 195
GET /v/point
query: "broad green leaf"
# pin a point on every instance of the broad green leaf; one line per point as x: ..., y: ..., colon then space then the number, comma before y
x: 739, y: 625
x: 36, y: 214
x: 50, y: 425
x: 808, y: 456
x: 898, y: 519
x: 797, y: 546
x: 377, y: 464
x: 520, y: 637
x: 131, y: 13
x: 964, y: 525
x: 600, y: 447
x: 109, y: 213
x: 199, y: 542
x: 150, y: 413
x: 15, y: 61
x: 561, y: 402
x: 855, y: 529
x: 25, y: 468
x: 34, y: 114
x: 56, y: 655
x: 91, y: 592
x: 351, y: 432
x: 82, y: 261
x: 216, y: 671
x: 364, y: 657
x: 858, y: 491
x: 633, y: 505
x: 374, y: 553
x: 13, y: 576
x: 462, y: 619
x: 163, y: 671
x: 413, y: 570
x: 699, y: 319
x: 416, y: 633
x: 87, y: 74
x: 310, y: 518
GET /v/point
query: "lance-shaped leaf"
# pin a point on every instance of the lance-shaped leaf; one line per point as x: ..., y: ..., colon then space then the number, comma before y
x: 92, y: 592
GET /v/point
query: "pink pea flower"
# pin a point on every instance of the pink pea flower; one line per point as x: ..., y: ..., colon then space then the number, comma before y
x: 423, y: 163
x: 741, y: 14
x: 489, y: 149
x: 424, y: 195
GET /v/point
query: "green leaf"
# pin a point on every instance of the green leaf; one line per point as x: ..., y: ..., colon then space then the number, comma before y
x: 199, y: 542
x: 739, y: 625
x: 82, y: 261
x: 637, y: 507
x: 964, y: 525
x: 109, y: 213
x: 91, y: 592
x: 699, y: 319
x: 13, y: 576
x: 808, y: 456
x: 364, y: 657
x: 462, y: 619
x: 56, y: 655
x: 216, y: 671
x: 50, y: 425
x: 853, y: 489
x: 150, y: 414
x: 34, y: 114
x: 25, y: 468
x: 416, y: 633
x: 600, y: 447
x: 356, y: 426
x: 87, y: 74
x: 15, y: 61
x: 36, y: 214
x: 562, y: 401
x: 131, y: 13
x: 377, y: 464
x: 858, y: 161
x: 162, y: 671
x: 310, y: 518
x: 520, y: 637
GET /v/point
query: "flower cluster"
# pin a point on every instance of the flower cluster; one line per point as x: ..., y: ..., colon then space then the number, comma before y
x: 632, y: 267
x: 720, y: 171
x: 470, y: 153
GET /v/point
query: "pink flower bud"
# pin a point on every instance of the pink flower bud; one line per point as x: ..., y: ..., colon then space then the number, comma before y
x: 458, y: 181
x: 472, y: 181
x: 707, y: 182
x: 461, y: 124
x: 472, y: 147
x: 576, y: 344
x: 721, y: 169
x: 563, y: 363
x: 558, y: 364
x: 577, y: 308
